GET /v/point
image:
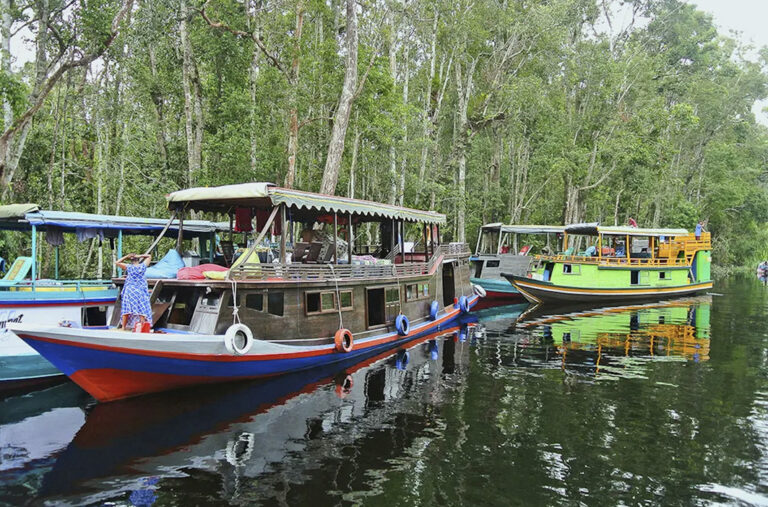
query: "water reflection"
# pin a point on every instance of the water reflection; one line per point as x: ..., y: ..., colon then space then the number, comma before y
x: 610, y: 341
x: 624, y: 405
x: 277, y: 430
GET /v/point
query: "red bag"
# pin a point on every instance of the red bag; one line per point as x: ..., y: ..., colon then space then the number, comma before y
x: 196, y: 272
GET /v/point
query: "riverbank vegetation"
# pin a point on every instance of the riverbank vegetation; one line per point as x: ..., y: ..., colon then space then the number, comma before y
x: 486, y: 110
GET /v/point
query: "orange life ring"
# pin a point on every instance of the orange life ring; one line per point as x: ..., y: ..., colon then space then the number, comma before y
x: 343, y: 340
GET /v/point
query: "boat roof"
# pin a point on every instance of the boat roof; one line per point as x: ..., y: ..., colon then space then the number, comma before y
x: 303, y: 204
x: 24, y: 216
x: 523, y: 229
x: 594, y: 229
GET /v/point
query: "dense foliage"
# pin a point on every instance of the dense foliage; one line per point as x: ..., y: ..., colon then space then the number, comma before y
x: 486, y: 110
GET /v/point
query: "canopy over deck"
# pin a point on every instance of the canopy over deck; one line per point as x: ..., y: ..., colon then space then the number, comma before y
x: 523, y: 229
x: 266, y: 196
x: 594, y: 229
x: 24, y: 216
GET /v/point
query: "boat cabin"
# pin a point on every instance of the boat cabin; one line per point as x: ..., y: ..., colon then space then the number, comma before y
x: 648, y: 257
x: 310, y: 264
x: 510, y: 248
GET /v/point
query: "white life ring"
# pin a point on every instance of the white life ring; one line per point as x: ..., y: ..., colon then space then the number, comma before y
x: 238, y: 339
x: 480, y: 291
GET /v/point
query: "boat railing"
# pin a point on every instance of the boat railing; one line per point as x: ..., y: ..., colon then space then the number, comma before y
x: 53, y: 284
x: 316, y: 272
x: 615, y: 261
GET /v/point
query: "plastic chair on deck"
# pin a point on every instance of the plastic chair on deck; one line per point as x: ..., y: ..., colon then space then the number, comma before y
x: 228, y: 251
x: 525, y: 250
x: 299, y: 251
x: 17, y: 272
x: 314, y: 252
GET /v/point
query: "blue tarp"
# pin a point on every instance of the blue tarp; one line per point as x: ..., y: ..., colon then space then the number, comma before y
x: 167, y: 266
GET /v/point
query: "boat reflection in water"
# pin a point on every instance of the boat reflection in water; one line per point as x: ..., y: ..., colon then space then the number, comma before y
x: 278, y: 430
x: 610, y: 341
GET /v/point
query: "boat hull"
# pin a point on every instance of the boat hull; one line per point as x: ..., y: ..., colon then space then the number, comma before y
x: 21, y: 364
x: 113, y: 365
x: 537, y: 291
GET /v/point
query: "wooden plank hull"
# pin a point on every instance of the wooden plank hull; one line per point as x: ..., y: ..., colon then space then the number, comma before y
x: 537, y: 291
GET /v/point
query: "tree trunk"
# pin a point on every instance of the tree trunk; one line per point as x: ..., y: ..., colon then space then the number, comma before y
x: 192, y: 103
x: 353, y: 164
x: 341, y: 119
x: 427, y: 117
x: 464, y: 91
x: 404, y: 159
x: 293, y: 114
x: 5, y: 55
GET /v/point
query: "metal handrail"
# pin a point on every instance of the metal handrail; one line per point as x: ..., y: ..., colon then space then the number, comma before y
x: 614, y: 261
x: 317, y: 272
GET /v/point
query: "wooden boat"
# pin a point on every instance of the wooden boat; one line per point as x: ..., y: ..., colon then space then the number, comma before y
x: 655, y: 263
x: 499, y: 250
x: 25, y: 298
x: 269, y: 319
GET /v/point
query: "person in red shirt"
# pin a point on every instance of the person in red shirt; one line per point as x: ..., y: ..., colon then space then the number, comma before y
x: 631, y: 222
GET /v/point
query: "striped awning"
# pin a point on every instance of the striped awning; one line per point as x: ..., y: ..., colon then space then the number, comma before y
x: 266, y: 196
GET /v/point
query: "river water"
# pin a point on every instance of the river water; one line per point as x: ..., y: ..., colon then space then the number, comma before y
x: 662, y: 402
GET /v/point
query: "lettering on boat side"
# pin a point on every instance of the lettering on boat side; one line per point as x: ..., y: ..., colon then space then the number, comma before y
x: 9, y: 317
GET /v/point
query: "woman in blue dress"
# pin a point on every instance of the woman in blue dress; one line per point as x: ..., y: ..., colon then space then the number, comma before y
x: 135, y: 296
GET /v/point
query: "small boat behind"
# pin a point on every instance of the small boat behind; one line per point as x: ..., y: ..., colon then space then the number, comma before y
x: 620, y: 264
x: 509, y: 249
x: 319, y: 302
x: 27, y: 298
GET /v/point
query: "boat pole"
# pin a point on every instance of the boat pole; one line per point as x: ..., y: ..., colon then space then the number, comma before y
x: 350, y: 239
x: 180, y: 236
x: 34, y: 255
x: 119, y: 250
x: 335, y: 237
x: 283, y: 235
x: 154, y: 243
x: 56, y: 263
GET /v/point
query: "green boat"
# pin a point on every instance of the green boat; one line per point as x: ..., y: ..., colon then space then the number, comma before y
x: 619, y: 264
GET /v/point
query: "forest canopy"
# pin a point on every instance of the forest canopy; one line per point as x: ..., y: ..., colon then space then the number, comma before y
x: 486, y: 110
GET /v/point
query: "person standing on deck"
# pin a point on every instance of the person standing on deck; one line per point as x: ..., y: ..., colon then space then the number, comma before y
x: 699, y: 229
x: 135, y: 295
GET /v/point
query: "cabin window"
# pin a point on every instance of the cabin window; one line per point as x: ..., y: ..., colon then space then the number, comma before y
x: 572, y: 269
x: 275, y: 303
x: 322, y: 302
x: 492, y: 264
x: 663, y: 275
x: 254, y: 301
x: 393, y: 295
x: 416, y: 291
x: 230, y: 299
x: 345, y: 297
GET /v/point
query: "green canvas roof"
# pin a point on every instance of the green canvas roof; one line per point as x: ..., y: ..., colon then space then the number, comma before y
x: 266, y: 196
x: 17, y: 210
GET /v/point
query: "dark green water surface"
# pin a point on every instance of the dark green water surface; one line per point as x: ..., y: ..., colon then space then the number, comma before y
x: 660, y: 403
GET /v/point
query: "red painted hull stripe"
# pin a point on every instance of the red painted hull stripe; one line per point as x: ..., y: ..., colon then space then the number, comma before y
x: 226, y: 358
